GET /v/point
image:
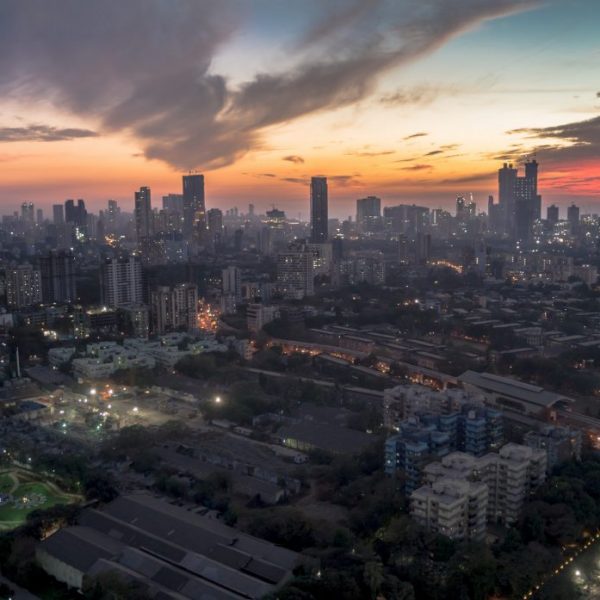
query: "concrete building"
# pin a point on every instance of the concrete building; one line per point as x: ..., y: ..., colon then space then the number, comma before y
x: 511, y: 476
x: 295, y: 273
x: 57, y: 270
x: 194, y: 209
x: 319, y: 210
x: 368, y: 214
x: 258, y: 315
x: 560, y: 443
x: 231, y: 282
x: 143, y: 215
x: 174, y: 308
x: 135, y: 319
x: 23, y: 286
x: 422, y: 438
x: 451, y: 507
x: 121, y: 281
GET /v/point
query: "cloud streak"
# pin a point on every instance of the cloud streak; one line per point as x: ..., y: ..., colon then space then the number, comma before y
x: 294, y: 158
x: 578, y: 141
x: 43, y: 133
x: 144, y: 68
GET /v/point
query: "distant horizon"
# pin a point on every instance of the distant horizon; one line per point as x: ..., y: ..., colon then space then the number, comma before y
x: 408, y: 101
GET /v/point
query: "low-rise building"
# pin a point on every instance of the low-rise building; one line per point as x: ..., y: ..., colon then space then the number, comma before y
x: 170, y: 551
x: 560, y: 443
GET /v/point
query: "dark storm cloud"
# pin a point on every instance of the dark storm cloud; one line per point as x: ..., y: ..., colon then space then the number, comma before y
x: 294, y: 158
x: 580, y: 140
x: 143, y: 67
x: 42, y: 133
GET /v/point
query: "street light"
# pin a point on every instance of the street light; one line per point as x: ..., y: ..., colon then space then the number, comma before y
x: 218, y: 399
x: 93, y: 392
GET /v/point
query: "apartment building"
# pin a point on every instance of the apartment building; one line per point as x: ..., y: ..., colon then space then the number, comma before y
x: 510, y: 477
x: 451, y: 507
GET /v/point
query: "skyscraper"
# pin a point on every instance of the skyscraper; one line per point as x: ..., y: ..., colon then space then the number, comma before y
x: 519, y: 201
x: 112, y: 216
x: 194, y: 209
x: 573, y: 216
x: 215, y: 225
x: 76, y: 214
x: 143, y: 214
x: 506, y: 195
x: 27, y: 213
x: 528, y: 204
x: 552, y: 214
x: 58, y: 277
x: 368, y: 213
x: 58, y: 214
x: 318, y: 210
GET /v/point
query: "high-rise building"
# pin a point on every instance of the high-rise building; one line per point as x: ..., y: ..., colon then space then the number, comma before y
x: 174, y: 308
x: 58, y: 277
x: 405, y: 219
x: 528, y: 204
x: 173, y: 203
x: 573, y: 216
x: 77, y: 215
x: 58, y: 214
x: 231, y: 278
x: 519, y: 201
x: 368, y: 213
x: 552, y: 214
x: 112, y: 215
x: 215, y: 226
x: 319, y: 210
x: 143, y: 214
x: 295, y: 273
x: 23, y: 286
x: 27, y: 213
x: 461, y: 209
x: 194, y: 209
x: 39, y: 216
x: 134, y: 319
x: 560, y: 443
x: 121, y: 281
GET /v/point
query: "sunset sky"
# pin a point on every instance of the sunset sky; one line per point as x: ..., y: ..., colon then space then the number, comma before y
x: 413, y: 101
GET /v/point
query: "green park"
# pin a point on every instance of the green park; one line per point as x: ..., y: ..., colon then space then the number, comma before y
x: 22, y: 492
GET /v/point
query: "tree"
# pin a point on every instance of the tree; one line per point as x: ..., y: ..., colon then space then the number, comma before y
x: 373, y: 577
x: 6, y: 593
x: 111, y: 586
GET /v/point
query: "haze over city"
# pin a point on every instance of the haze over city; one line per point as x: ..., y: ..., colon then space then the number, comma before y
x: 409, y: 101
x: 299, y: 300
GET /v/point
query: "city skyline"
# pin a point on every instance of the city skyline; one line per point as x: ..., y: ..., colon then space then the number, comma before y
x: 371, y: 121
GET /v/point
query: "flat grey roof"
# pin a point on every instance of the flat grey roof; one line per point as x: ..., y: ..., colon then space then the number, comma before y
x: 328, y: 437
